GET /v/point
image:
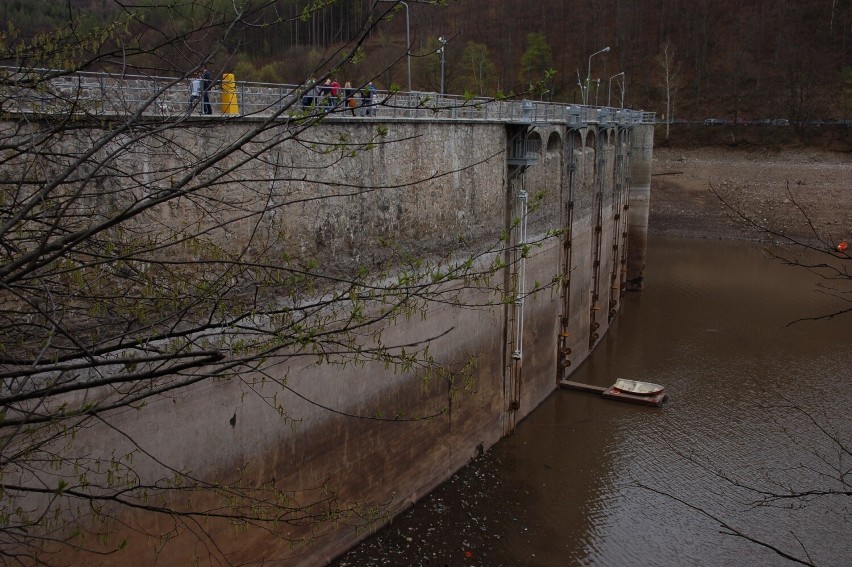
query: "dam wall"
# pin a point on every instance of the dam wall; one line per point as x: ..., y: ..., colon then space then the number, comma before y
x: 543, y: 217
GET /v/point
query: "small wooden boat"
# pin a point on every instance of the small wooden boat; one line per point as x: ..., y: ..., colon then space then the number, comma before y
x: 632, y: 391
x: 637, y: 388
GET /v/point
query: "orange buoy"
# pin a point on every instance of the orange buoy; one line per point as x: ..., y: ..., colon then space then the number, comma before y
x: 842, y: 246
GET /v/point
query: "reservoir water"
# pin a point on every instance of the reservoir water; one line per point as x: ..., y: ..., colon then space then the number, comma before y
x: 748, y: 460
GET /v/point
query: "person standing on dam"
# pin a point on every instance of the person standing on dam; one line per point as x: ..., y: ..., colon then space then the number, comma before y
x: 195, y: 88
x: 206, y: 85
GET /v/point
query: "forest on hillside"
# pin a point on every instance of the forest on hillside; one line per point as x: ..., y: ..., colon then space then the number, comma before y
x: 737, y: 60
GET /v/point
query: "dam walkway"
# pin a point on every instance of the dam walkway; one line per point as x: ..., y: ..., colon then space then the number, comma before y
x: 49, y: 91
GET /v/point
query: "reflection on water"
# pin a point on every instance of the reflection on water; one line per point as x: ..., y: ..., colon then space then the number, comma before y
x: 755, y: 405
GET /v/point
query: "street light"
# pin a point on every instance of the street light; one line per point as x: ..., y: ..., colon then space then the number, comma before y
x: 407, y: 38
x: 589, y: 73
x: 609, y: 90
x: 441, y: 51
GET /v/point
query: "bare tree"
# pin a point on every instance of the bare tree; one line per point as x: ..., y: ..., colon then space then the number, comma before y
x: 478, y: 69
x: 143, y: 253
x: 671, y: 80
x: 818, y: 475
x: 808, y: 247
x: 816, y: 471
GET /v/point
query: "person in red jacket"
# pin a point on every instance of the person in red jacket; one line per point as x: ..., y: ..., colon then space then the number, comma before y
x: 336, y: 91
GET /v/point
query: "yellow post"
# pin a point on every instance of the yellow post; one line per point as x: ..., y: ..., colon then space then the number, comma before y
x: 229, y: 94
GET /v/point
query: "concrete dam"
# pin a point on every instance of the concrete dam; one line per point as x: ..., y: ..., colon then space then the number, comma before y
x: 532, y: 224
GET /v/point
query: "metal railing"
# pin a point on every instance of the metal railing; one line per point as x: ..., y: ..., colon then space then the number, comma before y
x: 47, y: 91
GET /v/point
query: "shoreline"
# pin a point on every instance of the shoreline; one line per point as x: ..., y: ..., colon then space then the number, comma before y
x: 790, y: 192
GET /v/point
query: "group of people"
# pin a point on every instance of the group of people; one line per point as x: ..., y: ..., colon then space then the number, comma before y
x: 331, y: 95
x: 327, y: 96
x: 199, y: 89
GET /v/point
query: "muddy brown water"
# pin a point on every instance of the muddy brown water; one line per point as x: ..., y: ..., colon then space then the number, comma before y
x: 755, y: 405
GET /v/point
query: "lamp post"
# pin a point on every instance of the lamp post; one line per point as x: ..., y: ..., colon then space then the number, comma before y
x: 589, y: 73
x: 441, y: 51
x: 407, y: 38
x: 609, y: 90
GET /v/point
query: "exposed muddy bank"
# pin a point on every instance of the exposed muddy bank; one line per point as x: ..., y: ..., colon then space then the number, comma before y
x: 780, y: 190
